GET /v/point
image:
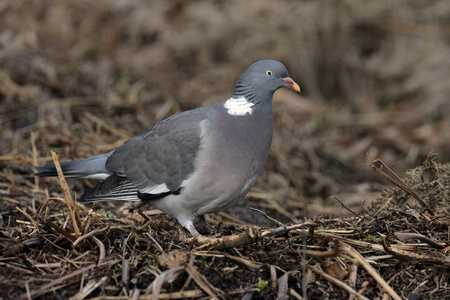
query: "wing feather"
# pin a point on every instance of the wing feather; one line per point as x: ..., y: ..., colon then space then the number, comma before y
x: 112, y: 188
x: 162, y: 158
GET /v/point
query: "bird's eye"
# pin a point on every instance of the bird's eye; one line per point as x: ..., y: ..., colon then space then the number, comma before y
x: 269, y: 73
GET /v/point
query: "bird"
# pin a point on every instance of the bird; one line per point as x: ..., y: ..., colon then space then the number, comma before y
x: 196, y: 162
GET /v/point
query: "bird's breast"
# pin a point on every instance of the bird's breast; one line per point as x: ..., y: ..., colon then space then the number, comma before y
x: 231, y: 157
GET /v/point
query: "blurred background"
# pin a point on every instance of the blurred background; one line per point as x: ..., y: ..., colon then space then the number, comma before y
x: 84, y: 76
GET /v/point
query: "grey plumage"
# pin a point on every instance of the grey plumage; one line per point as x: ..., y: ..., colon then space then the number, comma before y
x: 92, y: 167
x: 196, y: 162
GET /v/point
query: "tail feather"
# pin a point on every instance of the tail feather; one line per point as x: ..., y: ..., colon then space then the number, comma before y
x: 113, y: 188
x: 93, y: 167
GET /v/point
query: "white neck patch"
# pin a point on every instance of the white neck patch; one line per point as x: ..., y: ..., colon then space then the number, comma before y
x: 239, y: 106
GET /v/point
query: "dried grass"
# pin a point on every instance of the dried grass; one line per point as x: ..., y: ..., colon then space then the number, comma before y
x: 91, y: 253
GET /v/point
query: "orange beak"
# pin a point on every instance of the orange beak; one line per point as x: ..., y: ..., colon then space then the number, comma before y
x: 291, y: 84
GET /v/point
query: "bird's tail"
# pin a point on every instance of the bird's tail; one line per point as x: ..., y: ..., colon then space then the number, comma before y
x: 92, y: 167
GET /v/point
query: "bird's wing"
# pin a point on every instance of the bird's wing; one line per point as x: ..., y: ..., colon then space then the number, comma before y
x: 112, y: 188
x: 159, y: 160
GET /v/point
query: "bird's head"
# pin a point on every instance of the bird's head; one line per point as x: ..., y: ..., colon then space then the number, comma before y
x: 257, y: 85
x: 267, y: 76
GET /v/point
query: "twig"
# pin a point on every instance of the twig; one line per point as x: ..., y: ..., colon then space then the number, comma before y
x: 166, y: 276
x: 29, y: 217
x: 161, y: 296
x: 294, y: 294
x: 273, y: 276
x: 337, y: 282
x: 68, y: 235
x: 149, y: 222
x: 319, y: 254
x: 117, y: 131
x: 91, y: 233
x: 248, y: 236
x: 160, y: 249
x: 248, y: 263
x: 69, y: 200
x: 52, y: 285
x: 355, y: 254
x: 35, y: 161
x: 383, y: 207
x: 352, y: 278
x: 101, y: 247
x: 89, y: 288
x: 343, y: 205
x: 407, y: 236
x: 399, y: 182
x: 202, y: 282
x: 441, y: 261
x: 283, y: 286
x: 282, y: 229
x: 125, y: 262
x: 267, y: 216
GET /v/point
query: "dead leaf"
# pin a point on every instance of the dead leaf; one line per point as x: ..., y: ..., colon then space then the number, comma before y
x: 173, y: 259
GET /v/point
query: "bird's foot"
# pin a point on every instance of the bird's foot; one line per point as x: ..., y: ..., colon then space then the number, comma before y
x: 193, y: 231
x: 204, y: 227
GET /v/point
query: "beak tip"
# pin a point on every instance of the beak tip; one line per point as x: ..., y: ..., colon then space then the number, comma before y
x: 291, y: 84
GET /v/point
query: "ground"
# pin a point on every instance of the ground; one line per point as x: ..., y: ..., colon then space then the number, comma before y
x: 355, y: 193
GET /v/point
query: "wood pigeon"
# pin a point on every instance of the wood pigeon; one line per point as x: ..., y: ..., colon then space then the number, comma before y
x: 196, y: 162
